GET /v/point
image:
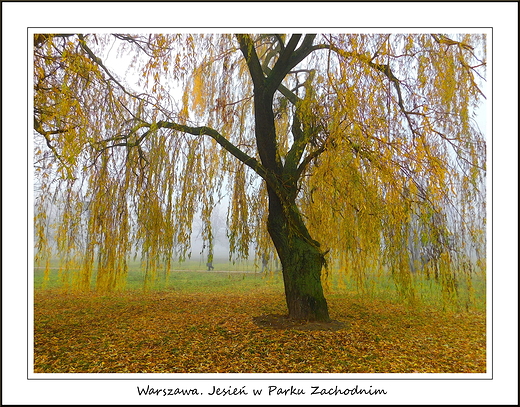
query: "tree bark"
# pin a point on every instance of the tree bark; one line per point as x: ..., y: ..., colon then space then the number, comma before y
x: 300, y: 255
x: 302, y: 262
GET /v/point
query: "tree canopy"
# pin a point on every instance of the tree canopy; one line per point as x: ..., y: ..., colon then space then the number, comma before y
x: 376, y: 149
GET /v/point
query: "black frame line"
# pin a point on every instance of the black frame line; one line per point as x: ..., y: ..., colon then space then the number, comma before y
x: 219, y: 377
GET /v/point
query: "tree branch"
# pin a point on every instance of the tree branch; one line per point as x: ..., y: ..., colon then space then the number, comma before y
x: 291, y: 96
x: 99, y: 62
x: 281, y: 40
x: 280, y: 68
x: 288, y: 61
x: 251, y: 162
x: 248, y: 51
x: 301, y: 136
x: 383, y: 68
x: 442, y: 39
x: 308, y: 158
x: 38, y: 127
x: 40, y: 39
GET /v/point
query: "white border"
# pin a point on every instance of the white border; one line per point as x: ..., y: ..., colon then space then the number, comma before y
x: 18, y: 16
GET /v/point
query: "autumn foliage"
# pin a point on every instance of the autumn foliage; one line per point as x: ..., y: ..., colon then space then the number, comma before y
x: 212, y: 332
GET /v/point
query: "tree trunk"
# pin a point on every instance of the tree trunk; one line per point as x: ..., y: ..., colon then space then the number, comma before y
x: 302, y: 262
x: 300, y: 255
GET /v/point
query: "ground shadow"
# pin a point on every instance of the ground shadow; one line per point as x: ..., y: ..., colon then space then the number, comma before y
x: 277, y: 321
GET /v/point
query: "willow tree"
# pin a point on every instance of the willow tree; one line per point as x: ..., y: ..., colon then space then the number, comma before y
x: 332, y: 149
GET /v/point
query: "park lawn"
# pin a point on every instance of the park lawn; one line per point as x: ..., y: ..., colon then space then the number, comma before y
x: 211, y: 328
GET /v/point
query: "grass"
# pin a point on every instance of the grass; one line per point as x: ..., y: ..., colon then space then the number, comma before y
x: 192, y: 276
x: 470, y: 295
x: 186, y: 277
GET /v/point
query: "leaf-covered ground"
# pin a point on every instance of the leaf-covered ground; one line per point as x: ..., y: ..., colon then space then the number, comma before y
x: 172, y: 332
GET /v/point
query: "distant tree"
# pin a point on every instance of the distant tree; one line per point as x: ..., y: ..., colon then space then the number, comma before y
x: 361, y: 142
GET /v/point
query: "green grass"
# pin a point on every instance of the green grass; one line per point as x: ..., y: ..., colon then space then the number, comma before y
x: 470, y: 295
x: 186, y: 277
x: 192, y: 277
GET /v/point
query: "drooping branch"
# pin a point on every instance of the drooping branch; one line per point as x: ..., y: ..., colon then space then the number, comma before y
x: 45, y: 133
x: 251, y: 162
x: 100, y: 63
x: 442, y: 39
x: 40, y: 39
x: 248, y: 50
x: 270, y: 177
x: 383, y: 68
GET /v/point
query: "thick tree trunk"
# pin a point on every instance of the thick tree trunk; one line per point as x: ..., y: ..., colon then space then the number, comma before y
x: 302, y: 262
x: 301, y: 258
